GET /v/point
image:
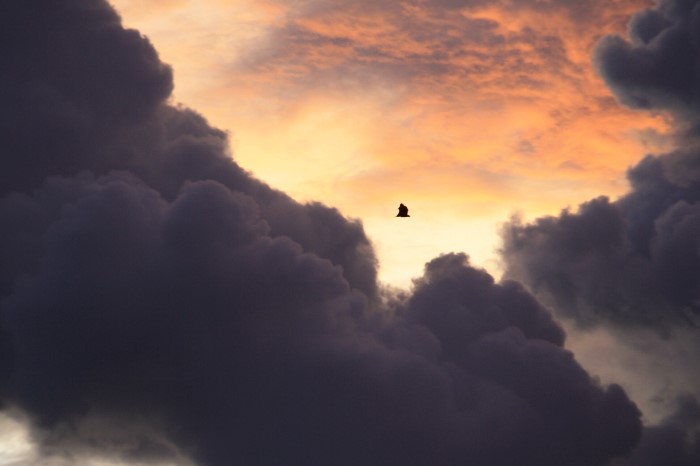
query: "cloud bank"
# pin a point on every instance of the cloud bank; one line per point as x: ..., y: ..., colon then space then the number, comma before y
x: 158, y: 303
x: 633, y: 260
x: 632, y: 265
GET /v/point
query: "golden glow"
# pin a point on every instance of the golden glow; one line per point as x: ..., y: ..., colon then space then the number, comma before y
x: 15, y: 440
x: 463, y: 115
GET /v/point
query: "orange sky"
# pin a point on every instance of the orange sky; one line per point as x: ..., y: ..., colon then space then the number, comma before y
x: 465, y: 114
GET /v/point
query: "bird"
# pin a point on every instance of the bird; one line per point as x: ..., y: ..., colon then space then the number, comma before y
x: 403, y: 211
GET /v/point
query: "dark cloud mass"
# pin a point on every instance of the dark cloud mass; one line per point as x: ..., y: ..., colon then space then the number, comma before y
x: 634, y: 264
x: 675, y: 441
x: 634, y: 260
x: 158, y: 302
x: 659, y: 68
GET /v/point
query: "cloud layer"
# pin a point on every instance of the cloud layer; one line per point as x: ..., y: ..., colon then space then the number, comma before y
x: 159, y: 302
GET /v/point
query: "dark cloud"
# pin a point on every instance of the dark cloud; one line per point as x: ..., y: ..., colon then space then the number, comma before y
x: 633, y: 264
x: 103, y: 108
x: 74, y: 79
x: 158, y: 303
x: 204, y: 322
x: 675, y: 441
x: 658, y: 68
x: 582, y: 263
x: 634, y: 260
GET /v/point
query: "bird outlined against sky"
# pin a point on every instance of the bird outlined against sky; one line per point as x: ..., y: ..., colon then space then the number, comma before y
x: 403, y: 211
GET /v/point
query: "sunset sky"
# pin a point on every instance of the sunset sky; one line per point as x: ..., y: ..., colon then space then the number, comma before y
x: 467, y: 112
x: 201, y: 264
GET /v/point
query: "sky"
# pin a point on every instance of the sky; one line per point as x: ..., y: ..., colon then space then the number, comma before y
x: 467, y: 112
x: 200, y: 263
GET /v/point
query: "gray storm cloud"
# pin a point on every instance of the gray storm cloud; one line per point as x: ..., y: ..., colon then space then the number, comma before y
x: 157, y: 302
x: 633, y: 260
x: 633, y: 265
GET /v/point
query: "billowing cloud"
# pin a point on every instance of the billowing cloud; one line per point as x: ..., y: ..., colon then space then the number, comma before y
x: 675, y: 441
x: 632, y: 265
x: 658, y: 67
x: 634, y: 259
x: 159, y: 303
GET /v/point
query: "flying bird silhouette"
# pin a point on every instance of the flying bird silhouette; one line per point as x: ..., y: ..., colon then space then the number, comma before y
x: 403, y: 211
